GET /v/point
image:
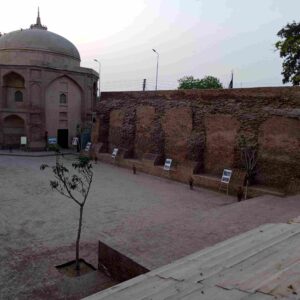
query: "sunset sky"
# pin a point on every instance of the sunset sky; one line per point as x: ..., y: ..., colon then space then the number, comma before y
x: 193, y: 37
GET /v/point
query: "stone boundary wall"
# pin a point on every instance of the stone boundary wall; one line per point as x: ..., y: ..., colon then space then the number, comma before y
x: 206, y: 127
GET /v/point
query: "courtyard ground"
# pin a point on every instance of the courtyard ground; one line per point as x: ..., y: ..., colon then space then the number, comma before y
x: 150, y: 219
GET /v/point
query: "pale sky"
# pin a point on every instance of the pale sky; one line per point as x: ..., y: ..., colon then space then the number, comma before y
x: 193, y: 37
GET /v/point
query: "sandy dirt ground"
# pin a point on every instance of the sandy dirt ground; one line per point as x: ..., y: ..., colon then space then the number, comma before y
x: 150, y: 219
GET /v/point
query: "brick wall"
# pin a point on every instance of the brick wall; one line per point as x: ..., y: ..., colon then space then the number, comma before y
x: 206, y: 126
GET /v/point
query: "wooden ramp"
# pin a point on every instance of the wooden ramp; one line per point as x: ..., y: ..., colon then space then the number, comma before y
x: 263, y: 263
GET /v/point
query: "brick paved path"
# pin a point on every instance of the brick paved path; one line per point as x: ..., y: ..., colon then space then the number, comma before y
x: 153, y: 220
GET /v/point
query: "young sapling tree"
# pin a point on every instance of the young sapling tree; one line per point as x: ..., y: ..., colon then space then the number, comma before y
x: 249, y: 159
x: 73, y: 185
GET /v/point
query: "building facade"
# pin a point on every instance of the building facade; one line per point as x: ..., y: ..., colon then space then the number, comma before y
x: 43, y: 90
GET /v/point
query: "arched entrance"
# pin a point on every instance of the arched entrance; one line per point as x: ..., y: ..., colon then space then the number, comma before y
x: 13, y: 129
x: 63, y: 109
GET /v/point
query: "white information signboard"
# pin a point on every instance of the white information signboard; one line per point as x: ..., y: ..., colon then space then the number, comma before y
x: 23, y: 140
x: 226, y: 176
x: 114, y: 153
x: 75, y: 141
x: 88, y: 146
x: 52, y: 140
x: 168, y: 163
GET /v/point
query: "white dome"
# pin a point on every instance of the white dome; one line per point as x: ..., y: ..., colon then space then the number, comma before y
x: 38, y: 40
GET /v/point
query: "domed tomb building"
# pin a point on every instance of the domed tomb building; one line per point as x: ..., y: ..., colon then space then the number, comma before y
x: 44, y: 91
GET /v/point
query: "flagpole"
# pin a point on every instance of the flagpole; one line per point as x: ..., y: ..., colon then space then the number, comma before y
x: 230, y: 86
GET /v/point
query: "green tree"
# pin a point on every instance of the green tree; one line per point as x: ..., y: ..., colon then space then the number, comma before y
x: 188, y: 82
x: 75, y: 186
x: 289, y: 49
x: 208, y: 82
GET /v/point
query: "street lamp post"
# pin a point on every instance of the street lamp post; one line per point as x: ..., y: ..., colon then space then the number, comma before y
x: 156, y: 67
x: 96, y: 60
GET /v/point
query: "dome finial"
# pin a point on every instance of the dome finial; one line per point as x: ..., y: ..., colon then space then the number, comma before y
x: 38, y: 24
x: 38, y: 19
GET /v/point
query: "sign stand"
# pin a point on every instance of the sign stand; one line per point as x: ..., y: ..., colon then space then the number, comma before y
x: 23, y: 142
x: 224, y: 184
x: 114, y: 153
x: 52, y: 140
x: 88, y: 147
x: 168, y: 163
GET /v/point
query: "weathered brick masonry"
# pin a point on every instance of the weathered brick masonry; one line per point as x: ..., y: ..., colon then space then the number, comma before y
x: 206, y: 126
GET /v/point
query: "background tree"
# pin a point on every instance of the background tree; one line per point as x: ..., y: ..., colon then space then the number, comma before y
x: 188, y: 82
x: 74, y: 186
x: 289, y: 49
x: 208, y: 82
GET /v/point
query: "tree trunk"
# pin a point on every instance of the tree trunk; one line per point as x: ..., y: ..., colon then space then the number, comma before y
x: 78, y: 238
x: 246, y: 192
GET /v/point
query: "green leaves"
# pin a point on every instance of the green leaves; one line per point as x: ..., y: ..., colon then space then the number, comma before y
x: 43, y: 167
x: 208, y: 82
x: 54, y: 147
x: 82, y: 163
x: 74, y: 184
x: 54, y: 184
x: 289, y: 49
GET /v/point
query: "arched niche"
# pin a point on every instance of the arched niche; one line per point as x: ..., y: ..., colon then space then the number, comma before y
x: 14, y: 80
x: 116, y: 119
x: 221, y: 131
x: 145, y: 130
x: 177, y: 124
x: 13, y: 90
x: 279, y: 155
x: 13, y: 129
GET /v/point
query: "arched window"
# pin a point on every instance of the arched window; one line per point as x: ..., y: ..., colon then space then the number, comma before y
x: 18, y: 96
x: 62, y: 98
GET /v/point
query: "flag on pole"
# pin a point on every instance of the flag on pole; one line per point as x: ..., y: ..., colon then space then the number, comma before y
x: 230, y: 86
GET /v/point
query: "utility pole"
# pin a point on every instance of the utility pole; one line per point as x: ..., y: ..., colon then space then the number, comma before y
x: 156, y: 67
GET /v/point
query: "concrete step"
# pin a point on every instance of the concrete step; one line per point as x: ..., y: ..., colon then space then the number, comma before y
x: 262, y: 271
x: 209, y: 293
x: 220, y: 245
x: 230, y: 249
x: 141, y: 289
x: 213, y: 262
